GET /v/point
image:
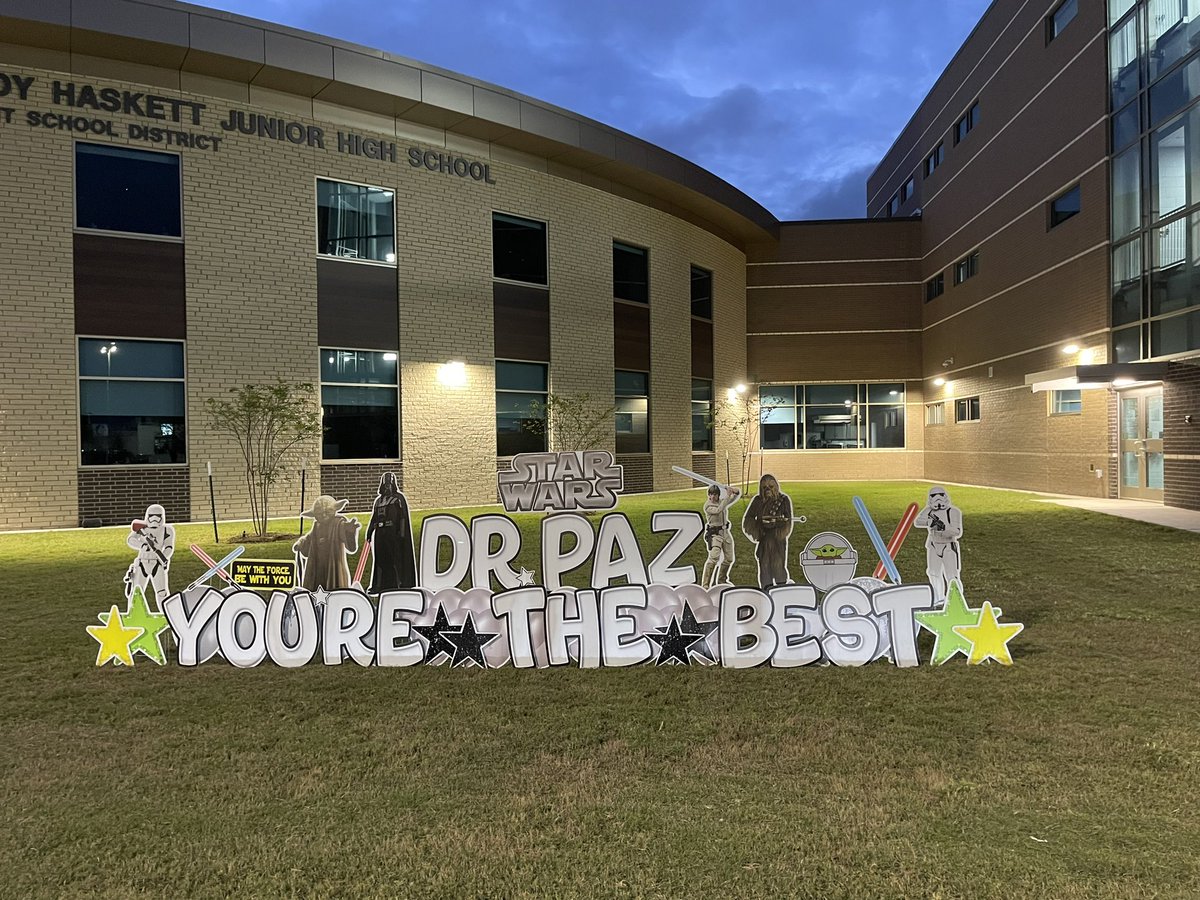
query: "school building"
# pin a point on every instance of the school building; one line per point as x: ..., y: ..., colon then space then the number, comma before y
x: 244, y: 202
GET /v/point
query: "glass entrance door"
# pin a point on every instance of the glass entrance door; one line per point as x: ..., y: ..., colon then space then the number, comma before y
x: 1141, y: 449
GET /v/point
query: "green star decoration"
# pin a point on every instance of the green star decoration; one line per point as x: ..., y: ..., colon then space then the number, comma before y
x: 139, y: 615
x: 941, y: 622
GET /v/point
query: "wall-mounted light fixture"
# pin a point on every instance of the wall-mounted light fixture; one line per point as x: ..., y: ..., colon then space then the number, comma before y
x: 452, y: 374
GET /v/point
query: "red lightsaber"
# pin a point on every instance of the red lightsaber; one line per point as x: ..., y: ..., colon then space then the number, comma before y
x: 362, y: 563
x: 898, y: 536
x: 210, y: 562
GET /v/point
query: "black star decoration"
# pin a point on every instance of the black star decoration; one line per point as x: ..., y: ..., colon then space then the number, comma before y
x: 689, y: 625
x: 469, y: 643
x: 673, y: 643
x: 436, y: 642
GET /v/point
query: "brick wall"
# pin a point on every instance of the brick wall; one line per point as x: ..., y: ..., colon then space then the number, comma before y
x: 1181, y: 440
x: 117, y: 496
x: 639, y: 472
x: 356, y: 482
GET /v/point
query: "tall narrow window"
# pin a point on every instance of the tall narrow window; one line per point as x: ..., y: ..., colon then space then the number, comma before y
x: 701, y: 414
x: 520, y: 407
x: 633, y: 412
x: 631, y: 273
x: 935, y: 159
x: 131, y: 402
x: 518, y: 249
x: 908, y: 189
x: 1060, y: 18
x: 355, y: 221
x: 130, y: 191
x: 702, y: 282
x: 359, y: 408
x: 967, y: 123
x: 935, y: 287
x: 966, y: 268
x: 893, y: 206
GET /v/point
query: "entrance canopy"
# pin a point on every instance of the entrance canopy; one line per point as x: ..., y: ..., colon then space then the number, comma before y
x: 1118, y: 375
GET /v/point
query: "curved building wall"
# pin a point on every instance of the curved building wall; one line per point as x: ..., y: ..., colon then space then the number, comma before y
x: 258, y: 303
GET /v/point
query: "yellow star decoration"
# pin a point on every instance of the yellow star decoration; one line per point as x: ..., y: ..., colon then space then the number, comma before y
x: 989, y: 639
x: 114, y: 637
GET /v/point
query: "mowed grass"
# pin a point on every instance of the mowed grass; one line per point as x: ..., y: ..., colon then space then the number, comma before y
x: 1074, y: 774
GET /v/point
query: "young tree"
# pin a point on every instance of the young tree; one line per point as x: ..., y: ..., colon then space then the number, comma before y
x: 739, y: 417
x: 268, y: 421
x: 572, y: 421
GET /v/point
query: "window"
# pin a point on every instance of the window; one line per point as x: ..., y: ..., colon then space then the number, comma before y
x: 935, y: 286
x: 631, y: 273
x: 1170, y: 33
x: 359, y: 410
x: 131, y: 402
x: 966, y: 409
x: 702, y: 293
x: 935, y: 159
x: 520, y: 407
x: 967, y: 123
x: 701, y: 414
x: 935, y: 414
x: 909, y: 188
x: 633, y: 412
x: 1127, y: 282
x: 1175, y: 165
x: 1127, y: 192
x: 1123, y: 70
x: 518, y: 249
x: 966, y: 268
x: 1060, y: 18
x: 1066, y: 403
x: 356, y: 222
x: 893, y: 206
x: 831, y: 416
x: 1064, y: 206
x: 132, y: 191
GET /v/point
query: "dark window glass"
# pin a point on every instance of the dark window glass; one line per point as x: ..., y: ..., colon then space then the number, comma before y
x: 777, y: 416
x: 966, y: 409
x: 1060, y: 18
x: 631, y: 273
x: 934, y: 159
x: 1171, y: 33
x: 1127, y: 192
x: 839, y: 394
x: 702, y: 293
x: 135, y: 191
x: 1175, y: 273
x: 1124, y: 72
x: 1127, y: 346
x: 967, y: 123
x: 1175, y: 91
x: 885, y: 393
x: 131, y: 402
x: 1175, y: 164
x: 1127, y: 282
x: 966, y: 268
x: 518, y: 249
x: 356, y: 222
x: 359, y: 405
x: 935, y: 286
x: 1064, y: 206
x: 831, y: 416
x: 520, y: 408
x: 633, y: 412
x: 885, y: 426
x: 893, y: 206
x: 1126, y: 126
x: 1177, y: 334
x: 701, y: 414
x: 909, y: 188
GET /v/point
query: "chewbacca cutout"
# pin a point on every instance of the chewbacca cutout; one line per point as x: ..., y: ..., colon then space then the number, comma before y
x: 768, y: 524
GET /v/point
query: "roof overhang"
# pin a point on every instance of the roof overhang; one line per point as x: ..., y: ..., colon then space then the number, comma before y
x: 1106, y: 375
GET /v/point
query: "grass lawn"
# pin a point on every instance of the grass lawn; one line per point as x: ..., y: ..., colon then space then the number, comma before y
x: 1074, y: 774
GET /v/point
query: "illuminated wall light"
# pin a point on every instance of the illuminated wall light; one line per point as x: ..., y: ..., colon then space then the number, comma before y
x: 741, y: 389
x: 1087, y: 357
x: 938, y: 382
x: 452, y: 374
x: 731, y: 395
x: 1070, y: 348
x: 1122, y: 382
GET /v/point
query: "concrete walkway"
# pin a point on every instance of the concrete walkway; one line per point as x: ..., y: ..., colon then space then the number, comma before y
x: 1140, y: 510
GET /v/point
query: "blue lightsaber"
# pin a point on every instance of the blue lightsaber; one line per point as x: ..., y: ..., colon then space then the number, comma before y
x: 234, y: 554
x: 877, y: 540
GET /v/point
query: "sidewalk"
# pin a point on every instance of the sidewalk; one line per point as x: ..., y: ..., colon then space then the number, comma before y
x: 1140, y: 510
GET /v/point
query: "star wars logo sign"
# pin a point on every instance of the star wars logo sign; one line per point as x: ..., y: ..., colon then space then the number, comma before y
x: 584, y: 479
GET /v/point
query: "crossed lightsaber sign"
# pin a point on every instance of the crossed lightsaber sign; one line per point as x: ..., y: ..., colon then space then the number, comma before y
x: 887, y: 552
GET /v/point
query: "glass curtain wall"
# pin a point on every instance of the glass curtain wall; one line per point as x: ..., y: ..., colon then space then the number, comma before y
x: 1154, y: 70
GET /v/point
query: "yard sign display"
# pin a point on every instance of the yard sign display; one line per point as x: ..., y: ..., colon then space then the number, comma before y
x: 634, y: 610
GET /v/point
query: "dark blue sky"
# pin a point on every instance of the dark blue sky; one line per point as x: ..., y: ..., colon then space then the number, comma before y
x: 792, y: 101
